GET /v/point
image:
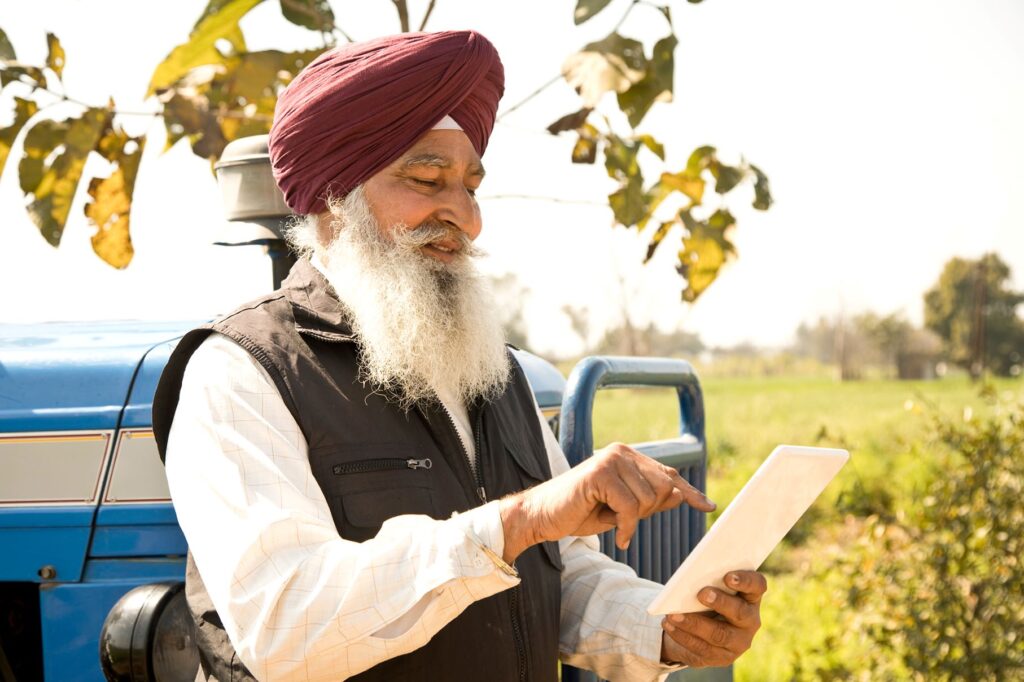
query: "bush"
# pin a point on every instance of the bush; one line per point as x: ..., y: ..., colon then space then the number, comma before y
x: 937, y: 591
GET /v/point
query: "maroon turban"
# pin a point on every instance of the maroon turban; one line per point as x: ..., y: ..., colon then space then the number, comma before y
x: 357, y: 108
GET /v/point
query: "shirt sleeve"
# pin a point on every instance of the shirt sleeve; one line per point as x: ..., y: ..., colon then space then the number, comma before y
x: 297, y: 600
x: 604, y: 624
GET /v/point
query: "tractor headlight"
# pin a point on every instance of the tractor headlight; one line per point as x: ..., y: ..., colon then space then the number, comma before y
x: 149, y: 636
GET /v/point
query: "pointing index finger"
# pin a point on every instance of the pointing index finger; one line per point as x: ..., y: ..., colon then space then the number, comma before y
x: 691, y: 495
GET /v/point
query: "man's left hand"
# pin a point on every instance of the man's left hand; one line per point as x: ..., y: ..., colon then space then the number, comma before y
x: 702, y: 640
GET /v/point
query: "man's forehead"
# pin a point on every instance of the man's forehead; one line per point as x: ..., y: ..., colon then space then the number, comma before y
x: 443, y: 151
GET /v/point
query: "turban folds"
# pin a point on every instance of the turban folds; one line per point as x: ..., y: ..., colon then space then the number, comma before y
x: 357, y: 108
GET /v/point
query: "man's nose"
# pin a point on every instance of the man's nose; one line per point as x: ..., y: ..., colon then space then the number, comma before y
x: 459, y: 210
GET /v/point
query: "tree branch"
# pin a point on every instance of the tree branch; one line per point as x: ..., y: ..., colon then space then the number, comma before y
x: 529, y: 97
x: 403, y: 14
x: 61, y: 97
x: 557, y: 200
x: 426, y: 16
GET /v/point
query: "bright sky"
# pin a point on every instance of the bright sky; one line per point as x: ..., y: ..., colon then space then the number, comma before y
x: 890, y: 129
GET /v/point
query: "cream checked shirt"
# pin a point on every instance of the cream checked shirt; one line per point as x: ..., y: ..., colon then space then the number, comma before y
x: 299, y: 602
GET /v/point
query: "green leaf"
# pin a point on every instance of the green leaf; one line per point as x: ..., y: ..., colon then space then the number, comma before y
x: 6, y: 48
x: 24, y: 109
x: 655, y: 86
x: 111, y: 198
x: 585, y: 149
x: 620, y: 159
x: 762, y: 194
x: 609, y: 65
x: 316, y: 15
x: 570, y: 121
x: 629, y: 204
x: 13, y: 72
x: 585, y: 9
x: 55, y: 55
x: 727, y: 177
x: 218, y: 22
x: 54, y: 156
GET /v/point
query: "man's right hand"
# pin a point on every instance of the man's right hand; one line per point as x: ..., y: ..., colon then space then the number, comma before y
x: 614, y: 488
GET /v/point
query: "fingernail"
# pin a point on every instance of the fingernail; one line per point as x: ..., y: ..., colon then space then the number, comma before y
x: 708, y: 596
x: 679, y: 618
x: 667, y: 624
x: 708, y: 501
x: 734, y: 579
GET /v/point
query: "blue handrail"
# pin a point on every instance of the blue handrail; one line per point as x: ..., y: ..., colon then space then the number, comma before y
x: 664, y: 540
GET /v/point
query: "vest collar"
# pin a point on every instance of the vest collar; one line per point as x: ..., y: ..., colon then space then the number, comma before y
x: 317, y: 310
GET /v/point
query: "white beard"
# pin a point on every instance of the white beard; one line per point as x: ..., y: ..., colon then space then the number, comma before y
x: 425, y: 327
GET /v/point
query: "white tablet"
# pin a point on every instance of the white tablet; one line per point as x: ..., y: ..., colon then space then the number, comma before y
x: 771, y: 502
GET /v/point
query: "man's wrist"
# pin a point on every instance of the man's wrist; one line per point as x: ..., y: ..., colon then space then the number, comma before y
x: 518, y: 532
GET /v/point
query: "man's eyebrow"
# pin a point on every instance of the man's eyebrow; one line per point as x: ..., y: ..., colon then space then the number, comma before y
x: 435, y: 160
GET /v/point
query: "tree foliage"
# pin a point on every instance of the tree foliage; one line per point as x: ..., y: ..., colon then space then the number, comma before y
x: 211, y: 89
x: 975, y: 312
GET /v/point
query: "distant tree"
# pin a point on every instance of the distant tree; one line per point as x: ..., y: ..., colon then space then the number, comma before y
x: 974, y: 311
x: 650, y: 340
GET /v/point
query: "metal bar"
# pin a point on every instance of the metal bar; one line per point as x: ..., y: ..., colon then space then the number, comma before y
x: 664, y: 540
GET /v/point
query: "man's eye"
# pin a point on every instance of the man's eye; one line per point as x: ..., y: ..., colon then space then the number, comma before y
x: 424, y: 183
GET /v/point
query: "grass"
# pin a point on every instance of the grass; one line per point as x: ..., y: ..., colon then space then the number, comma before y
x: 884, y: 425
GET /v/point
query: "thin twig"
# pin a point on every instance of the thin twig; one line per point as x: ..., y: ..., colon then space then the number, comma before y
x: 61, y: 97
x: 529, y: 97
x: 430, y: 9
x: 403, y: 14
x: 623, y: 19
x: 344, y: 35
x: 533, y: 197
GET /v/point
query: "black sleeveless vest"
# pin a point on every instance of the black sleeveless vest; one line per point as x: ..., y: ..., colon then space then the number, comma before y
x: 359, y: 443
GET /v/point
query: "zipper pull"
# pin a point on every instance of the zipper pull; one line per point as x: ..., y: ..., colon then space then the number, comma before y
x: 419, y: 463
x: 482, y: 493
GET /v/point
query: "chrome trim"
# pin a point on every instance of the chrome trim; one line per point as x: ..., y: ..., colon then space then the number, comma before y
x: 49, y: 471
x: 131, y: 479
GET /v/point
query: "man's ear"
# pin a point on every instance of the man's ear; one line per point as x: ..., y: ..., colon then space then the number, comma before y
x: 326, y: 227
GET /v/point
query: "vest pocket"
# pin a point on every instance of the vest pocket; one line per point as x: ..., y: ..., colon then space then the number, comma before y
x: 364, y: 493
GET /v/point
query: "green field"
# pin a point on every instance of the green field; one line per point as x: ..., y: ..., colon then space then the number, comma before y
x: 884, y: 425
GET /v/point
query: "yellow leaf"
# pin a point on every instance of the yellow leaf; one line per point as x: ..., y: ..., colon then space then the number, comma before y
x: 219, y: 22
x: 693, y: 187
x: 109, y: 211
x: 111, y: 199
x: 24, y: 109
x: 700, y: 259
x: 55, y: 57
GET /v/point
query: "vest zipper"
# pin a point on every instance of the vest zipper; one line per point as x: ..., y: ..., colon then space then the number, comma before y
x: 475, y: 472
x: 387, y: 463
x: 478, y: 477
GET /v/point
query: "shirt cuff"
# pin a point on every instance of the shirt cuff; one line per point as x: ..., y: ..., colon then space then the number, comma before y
x: 484, y: 529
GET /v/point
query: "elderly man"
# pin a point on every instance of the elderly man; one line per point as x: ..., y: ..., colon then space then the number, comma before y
x: 365, y: 482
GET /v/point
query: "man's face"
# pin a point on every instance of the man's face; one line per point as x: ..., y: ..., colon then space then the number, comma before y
x: 433, y: 182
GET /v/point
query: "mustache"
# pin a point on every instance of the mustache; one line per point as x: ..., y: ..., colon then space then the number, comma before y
x: 430, y: 231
